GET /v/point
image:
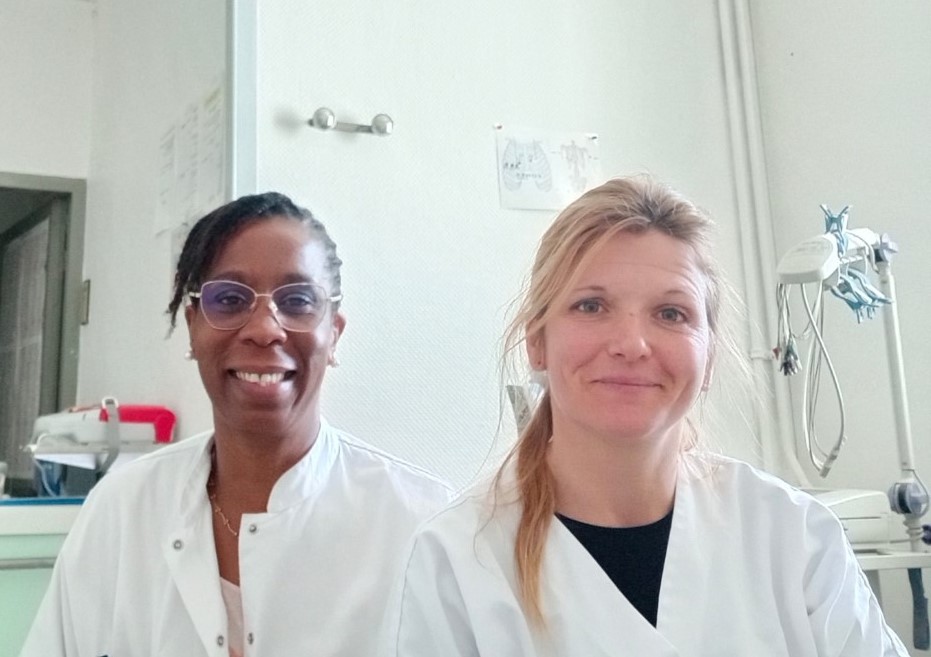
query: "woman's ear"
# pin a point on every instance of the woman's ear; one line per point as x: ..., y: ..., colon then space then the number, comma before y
x: 536, y: 352
x: 339, y: 325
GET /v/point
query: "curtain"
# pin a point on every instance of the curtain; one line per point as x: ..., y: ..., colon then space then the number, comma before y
x: 22, y: 306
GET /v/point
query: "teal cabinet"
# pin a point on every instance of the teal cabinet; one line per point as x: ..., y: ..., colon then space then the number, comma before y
x: 31, y: 535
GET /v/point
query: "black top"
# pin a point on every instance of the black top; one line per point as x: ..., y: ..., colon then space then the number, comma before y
x: 632, y: 557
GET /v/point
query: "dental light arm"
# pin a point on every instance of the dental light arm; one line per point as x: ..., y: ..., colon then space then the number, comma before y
x: 841, y: 261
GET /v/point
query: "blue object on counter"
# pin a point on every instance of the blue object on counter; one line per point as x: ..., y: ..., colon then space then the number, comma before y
x: 58, y: 480
x: 40, y: 501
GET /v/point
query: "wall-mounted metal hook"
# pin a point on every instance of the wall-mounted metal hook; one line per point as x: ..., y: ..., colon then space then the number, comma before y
x: 325, y: 119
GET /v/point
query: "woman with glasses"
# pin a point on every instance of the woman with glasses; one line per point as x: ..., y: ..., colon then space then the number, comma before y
x: 609, y: 530
x: 273, y: 533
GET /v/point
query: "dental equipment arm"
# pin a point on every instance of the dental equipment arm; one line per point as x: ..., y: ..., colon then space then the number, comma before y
x: 840, y: 261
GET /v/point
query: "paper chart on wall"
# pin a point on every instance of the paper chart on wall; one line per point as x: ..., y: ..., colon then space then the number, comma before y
x: 539, y: 170
x: 166, y: 210
x: 192, y: 162
x: 211, y: 179
x: 186, y: 162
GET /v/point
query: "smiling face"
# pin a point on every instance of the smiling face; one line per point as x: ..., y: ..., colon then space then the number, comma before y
x: 627, y: 347
x: 261, y: 378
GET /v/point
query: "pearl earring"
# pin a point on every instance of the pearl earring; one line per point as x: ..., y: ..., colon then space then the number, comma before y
x: 189, y: 354
x: 334, y: 361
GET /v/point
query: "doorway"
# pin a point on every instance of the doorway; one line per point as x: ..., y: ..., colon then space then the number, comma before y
x: 41, y: 247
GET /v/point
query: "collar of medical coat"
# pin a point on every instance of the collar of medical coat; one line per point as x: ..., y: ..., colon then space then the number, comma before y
x: 300, y: 482
x: 693, y: 463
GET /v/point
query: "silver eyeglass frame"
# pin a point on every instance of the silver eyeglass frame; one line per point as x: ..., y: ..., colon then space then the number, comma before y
x: 271, y: 304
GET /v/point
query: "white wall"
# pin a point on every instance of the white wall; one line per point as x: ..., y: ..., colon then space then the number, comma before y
x: 845, y: 91
x: 151, y: 60
x: 45, y: 87
x: 431, y: 258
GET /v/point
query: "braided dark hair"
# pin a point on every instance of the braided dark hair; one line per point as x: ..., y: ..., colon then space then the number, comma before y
x: 211, y: 233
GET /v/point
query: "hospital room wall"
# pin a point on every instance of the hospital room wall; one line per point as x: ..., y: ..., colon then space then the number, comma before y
x: 431, y: 258
x: 45, y: 87
x: 844, y: 94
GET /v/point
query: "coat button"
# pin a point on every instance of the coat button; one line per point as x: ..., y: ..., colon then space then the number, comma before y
x: 220, y: 640
x: 253, y: 529
x: 178, y: 544
x: 250, y: 639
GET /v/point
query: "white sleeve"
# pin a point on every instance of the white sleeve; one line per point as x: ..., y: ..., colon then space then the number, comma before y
x: 427, y: 613
x: 846, y: 619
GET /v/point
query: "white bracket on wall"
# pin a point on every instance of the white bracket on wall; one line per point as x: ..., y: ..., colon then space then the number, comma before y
x: 325, y: 119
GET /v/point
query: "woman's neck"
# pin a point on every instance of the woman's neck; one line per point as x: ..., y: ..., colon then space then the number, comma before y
x: 611, y: 483
x: 248, y: 464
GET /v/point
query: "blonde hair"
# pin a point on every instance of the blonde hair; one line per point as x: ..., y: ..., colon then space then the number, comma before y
x: 636, y: 205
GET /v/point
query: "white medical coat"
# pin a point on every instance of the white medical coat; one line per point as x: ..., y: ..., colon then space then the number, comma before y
x: 754, y: 568
x: 138, y: 573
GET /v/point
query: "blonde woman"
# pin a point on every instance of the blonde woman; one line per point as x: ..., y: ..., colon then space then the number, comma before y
x: 609, y: 530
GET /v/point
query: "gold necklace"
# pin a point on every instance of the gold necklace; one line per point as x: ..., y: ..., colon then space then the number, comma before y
x: 212, y: 496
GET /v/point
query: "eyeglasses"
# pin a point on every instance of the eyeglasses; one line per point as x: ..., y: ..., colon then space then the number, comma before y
x: 298, y: 307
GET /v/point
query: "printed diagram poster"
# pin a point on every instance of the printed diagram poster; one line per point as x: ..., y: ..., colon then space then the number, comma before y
x: 540, y: 170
